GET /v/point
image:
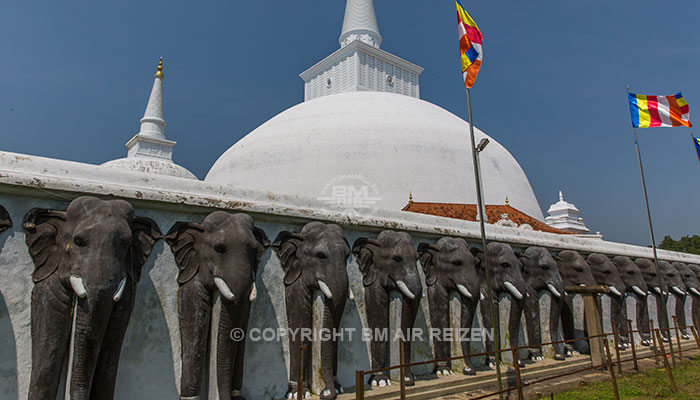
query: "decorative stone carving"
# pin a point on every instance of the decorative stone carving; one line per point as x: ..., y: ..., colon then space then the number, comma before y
x: 222, y: 253
x: 314, y: 259
x: 91, y: 253
x: 388, y: 264
x: 5, y: 220
x: 449, y: 267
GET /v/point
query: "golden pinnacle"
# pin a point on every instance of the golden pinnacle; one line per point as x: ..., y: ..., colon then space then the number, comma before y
x: 159, y: 73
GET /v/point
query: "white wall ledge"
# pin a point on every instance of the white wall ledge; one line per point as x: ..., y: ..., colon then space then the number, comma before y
x: 58, y: 179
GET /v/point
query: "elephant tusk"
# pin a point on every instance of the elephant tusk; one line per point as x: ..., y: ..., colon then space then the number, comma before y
x: 694, y: 291
x: 351, y: 296
x: 78, y: 287
x: 513, y: 290
x: 405, y: 290
x: 120, y: 290
x: 638, y: 291
x: 253, y: 293
x: 656, y: 289
x: 614, y: 291
x: 554, y: 290
x: 224, y: 289
x: 678, y: 291
x: 464, y: 291
x: 325, y: 289
x: 482, y: 297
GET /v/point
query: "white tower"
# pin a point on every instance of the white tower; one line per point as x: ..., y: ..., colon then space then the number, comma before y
x: 564, y: 216
x: 149, y: 151
x: 359, y: 64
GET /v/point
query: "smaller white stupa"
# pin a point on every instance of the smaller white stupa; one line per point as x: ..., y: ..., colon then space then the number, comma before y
x: 564, y: 216
x: 149, y: 151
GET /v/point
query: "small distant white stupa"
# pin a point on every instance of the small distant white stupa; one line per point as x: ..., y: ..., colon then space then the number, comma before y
x: 564, y: 216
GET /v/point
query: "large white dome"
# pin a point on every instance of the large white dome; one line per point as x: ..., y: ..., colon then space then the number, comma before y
x: 392, y: 143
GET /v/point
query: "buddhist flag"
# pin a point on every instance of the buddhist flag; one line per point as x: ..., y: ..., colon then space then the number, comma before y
x: 697, y: 145
x: 659, y: 111
x: 470, y: 40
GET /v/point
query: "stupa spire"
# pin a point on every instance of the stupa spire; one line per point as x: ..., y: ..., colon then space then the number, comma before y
x: 152, y: 123
x: 360, y: 23
x: 150, y: 142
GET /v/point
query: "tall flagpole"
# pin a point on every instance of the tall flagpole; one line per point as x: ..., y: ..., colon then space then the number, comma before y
x: 481, y: 212
x: 664, y: 294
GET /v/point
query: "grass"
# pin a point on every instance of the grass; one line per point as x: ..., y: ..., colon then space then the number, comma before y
x: 651, y: 384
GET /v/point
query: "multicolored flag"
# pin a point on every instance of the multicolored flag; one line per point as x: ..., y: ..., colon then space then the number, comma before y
x: 470, y: 41
x: 697, y: 146
x: 659, y: 111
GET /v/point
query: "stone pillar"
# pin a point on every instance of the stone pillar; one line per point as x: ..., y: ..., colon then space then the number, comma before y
x: 395, y: 308
x: 455, y: 325
x: 503, y: 319
x: 579, y: 328
x: 316, y: 377
x: 631, y: 304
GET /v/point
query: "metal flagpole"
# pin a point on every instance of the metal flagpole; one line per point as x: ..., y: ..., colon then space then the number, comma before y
x: 482, y: 218
x: 664, y: 294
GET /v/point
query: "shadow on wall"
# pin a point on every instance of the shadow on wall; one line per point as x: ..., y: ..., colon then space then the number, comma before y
x: 8, y: 347
x: 270, y: 353
x: 146, y: 364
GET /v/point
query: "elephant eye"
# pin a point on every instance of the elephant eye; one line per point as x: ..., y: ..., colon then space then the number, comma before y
x: 607, y: 272
x: 505, y: 265
x: 457, y: 263
x: 321, y: 255
x: 398, y: 259
x: 578, y: 269
x: 220, y: 248
x: 80, y: 241
x: 545, y: 267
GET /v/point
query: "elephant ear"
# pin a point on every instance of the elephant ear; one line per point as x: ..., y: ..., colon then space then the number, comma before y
x: 364, y: 249
x: 427, y: 252
x: 42, y: 229
x: 5, y: 220
x: 262, y: 240
x: 182, y: 238
x: 286, y: 245
x: 145, y: 233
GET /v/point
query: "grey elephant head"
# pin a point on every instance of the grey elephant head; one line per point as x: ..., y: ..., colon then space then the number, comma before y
x: 694, y: 268
x: 605, y: 274
x: 450, y: 263
x: 390, y: 262
x: 673, y: 278
x: 540, y: 271
x: 648, y: 270
x: 94, y: 250
x: 631, y: 275
x: 318, y: 255
x: 224, y: 250
x: 5, y: 221
x: 507, y: 270
x: 574, y: 270
x: 95, y: 244
x: 689, y: 278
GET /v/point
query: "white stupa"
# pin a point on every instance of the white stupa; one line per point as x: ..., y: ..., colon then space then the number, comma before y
x: 363, y: 128
x: 564, y: 216
x: 149, y: 151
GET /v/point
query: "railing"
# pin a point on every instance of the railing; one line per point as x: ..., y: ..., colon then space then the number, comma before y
x: 608, y: 363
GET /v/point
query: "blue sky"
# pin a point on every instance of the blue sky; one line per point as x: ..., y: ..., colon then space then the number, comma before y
x: 75, y: 77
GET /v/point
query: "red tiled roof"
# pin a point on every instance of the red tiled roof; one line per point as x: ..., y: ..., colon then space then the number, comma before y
x: 468, y: 212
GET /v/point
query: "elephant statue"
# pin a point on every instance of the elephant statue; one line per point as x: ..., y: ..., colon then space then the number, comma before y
x: 314, y: 259
x: 605, y: 274
x: 692, y: 288
x: 676, y: 288
x: 449, y: 266
x: 90, y: 256
x: 222, y: 253
x: 574, y: 271
x: 658, y: 289
x: 541, y: 274
x: 632, y: 277
x: 695, y: 307
x: 389, y: 264
x: 5, y: 220
x: 507, y: 278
